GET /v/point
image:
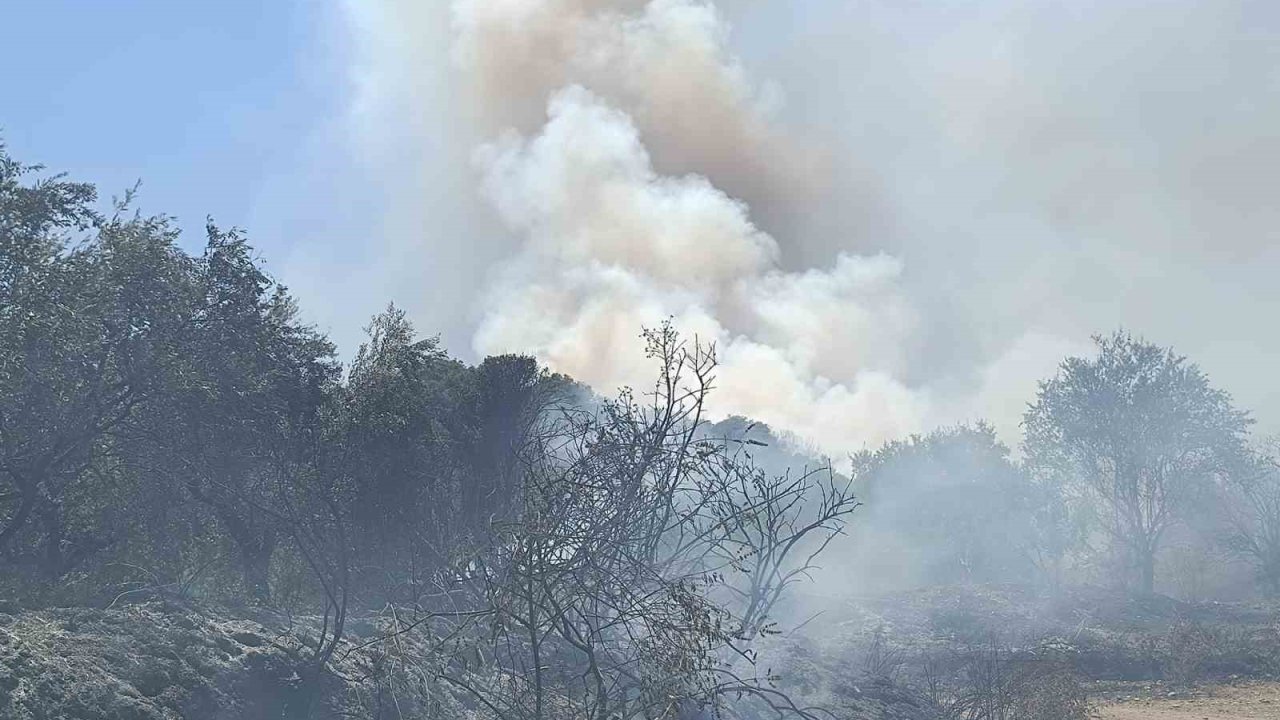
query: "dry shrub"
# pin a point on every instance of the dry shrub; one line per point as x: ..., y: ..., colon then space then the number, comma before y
x: 882, y: 661
x: 1186, y: 648
x: 1190, y: 652
x: 995, y: 682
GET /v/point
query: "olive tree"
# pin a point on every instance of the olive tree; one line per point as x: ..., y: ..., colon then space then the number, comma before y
x: 92, y: 313
x: 1136, y: 435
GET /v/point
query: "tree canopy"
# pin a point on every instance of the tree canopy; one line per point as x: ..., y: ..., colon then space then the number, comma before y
x: 1137, y: 434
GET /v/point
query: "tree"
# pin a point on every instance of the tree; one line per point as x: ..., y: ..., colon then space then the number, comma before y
x: 511, y: 393
x: 953, y: 501
x: 644, y: 560
x: 249, y: 384
x: 1136, y: 435
x: 1252, y: 503
x: 88, y: 332
x: 406, y: 421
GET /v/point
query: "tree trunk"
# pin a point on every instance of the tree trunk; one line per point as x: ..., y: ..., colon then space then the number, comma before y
x: 1270, y: 576
x: 254, y: 548
x: 53, y: 561
x: 28, y: 499
x: 1147, y: 571
x: 255, y: 564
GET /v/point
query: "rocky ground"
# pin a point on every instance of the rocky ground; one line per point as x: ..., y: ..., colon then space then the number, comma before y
x: 161, y: 662
x: 158, y: 662
x: 867, y: 660
x: 141, y: 663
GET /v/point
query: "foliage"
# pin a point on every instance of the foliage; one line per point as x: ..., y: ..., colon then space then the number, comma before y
x: 954, y: 500
x: 1136, y: 436
x: 89, y: 332
x: 170, y: 428
x: 1251, y: 498
x: 604, y: 585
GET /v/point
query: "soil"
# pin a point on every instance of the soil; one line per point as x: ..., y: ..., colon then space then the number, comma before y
x: 1246, y: 701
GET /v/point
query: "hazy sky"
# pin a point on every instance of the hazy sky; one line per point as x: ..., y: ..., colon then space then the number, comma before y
x: 1040, y: 171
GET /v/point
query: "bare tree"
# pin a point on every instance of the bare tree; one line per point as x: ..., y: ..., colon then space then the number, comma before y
x: 771, y: 531
x: 997, y: 682
x: 645, y: 561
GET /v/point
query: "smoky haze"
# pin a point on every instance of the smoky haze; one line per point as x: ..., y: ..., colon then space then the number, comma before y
x: 919, y: 351
x: 886, y: 217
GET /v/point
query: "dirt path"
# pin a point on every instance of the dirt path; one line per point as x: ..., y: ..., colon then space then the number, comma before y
x: 1254, y: 701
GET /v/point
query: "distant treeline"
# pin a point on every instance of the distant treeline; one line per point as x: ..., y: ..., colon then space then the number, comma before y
x: 1134, y: 472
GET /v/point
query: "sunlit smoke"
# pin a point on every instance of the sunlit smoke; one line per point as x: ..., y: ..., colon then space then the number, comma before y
x: 1035, y: 173
x: 611, y: 243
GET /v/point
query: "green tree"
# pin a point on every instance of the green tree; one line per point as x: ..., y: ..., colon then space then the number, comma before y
x: 407, y: 424
x: 89, y: 327
x: 953, y: 501
x: 1135, y: 435
x: 512, y: 393
x: 247, y: 391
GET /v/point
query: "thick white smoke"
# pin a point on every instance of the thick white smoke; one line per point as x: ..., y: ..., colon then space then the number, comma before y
x: 1036, y: 173
x: 665, y: 63
x: 611, y: 244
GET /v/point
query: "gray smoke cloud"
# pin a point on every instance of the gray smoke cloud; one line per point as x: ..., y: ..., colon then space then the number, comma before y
x: 887, y: 216
x: 614, y: 240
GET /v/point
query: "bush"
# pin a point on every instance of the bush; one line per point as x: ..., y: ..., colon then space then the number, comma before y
x: 997, y: 682
x: 1192, y: 651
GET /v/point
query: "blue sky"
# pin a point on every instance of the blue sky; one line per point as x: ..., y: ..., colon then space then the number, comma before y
x: 227, y: 109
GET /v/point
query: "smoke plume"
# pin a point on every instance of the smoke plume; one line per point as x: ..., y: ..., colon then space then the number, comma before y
x: 914, y: 217
x: 614, y: 239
